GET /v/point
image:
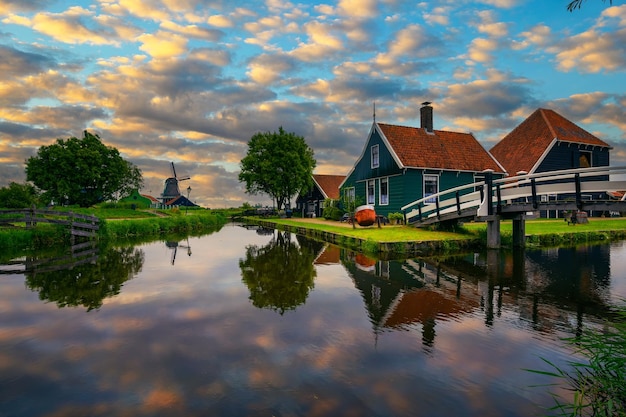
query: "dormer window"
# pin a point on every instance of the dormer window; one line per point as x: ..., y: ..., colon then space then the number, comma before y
x: 375, y: 156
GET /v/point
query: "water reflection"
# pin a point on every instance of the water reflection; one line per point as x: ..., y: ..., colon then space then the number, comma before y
x: 174, y: 245
x: 279, y: 275
x: 83, y: 278
x: 362, y: 336
x: 550, y: 289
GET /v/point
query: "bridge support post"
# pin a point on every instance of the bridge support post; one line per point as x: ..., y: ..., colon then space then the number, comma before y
x: 493, y: 232
x: 519, y: 231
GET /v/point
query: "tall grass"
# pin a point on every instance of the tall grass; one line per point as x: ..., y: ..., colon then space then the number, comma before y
x: 115, y: 229
x: 598, y: 384
x: 110, y: 229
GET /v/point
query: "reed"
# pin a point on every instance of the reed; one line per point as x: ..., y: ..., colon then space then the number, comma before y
x: 597, y: 384
x: 149, y: 226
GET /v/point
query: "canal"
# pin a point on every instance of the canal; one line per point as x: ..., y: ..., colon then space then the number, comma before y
x: 255, y: 322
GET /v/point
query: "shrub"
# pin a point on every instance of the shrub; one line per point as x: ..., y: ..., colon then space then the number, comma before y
x: 396, y: 218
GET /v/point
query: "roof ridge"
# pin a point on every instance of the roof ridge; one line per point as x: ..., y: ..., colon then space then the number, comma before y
x: 545, y: 119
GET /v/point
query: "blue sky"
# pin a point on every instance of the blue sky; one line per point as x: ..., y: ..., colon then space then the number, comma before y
x: 191, y: 81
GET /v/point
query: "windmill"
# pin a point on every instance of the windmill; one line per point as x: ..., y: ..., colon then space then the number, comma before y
x: 171, y: 189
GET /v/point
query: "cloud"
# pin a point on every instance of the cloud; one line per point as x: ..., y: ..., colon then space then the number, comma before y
x: 220, y: 21
x: 601, y: 48
x: 74, y: 26
x: 407, y: 47
x: 16, y: 62
x: 10, y: 6
x: 163, y: 44
x: 192, y: 31
x: 268, y: 69
x: 593, y: 52
x: 324, y: 42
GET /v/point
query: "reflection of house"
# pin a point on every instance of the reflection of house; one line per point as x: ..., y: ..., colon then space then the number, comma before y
x: 330, y: 255
x: 311, y: 204
x: 402, y: 294
x: 400, y: 164
x: 546, y: 141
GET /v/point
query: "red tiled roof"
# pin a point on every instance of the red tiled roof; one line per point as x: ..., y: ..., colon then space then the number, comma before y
x: 154, y: 200
x: 521, y: 149
x: 440, y: 149
x: 329, y: 184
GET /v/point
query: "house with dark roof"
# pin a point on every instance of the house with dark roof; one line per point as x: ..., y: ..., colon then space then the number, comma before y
x: 547, y: 141
x: 399, y: 165
x: 311, y: 203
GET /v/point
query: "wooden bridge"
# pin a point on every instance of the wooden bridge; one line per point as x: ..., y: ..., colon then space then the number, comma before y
x: 79, y: 224
x: 515, y: 197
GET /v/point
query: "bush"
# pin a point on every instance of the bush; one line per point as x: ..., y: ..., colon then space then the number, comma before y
x: 396, y: 218
x: 332, y: 213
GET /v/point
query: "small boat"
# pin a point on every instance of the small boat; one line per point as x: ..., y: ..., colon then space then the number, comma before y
x: 365, y: 215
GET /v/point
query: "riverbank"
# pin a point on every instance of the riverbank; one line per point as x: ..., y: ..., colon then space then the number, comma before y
x: 391, y: 241
x: 115, y: 225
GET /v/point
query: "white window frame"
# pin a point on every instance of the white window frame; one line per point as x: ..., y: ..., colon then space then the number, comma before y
x: 426, y: 178
x: 371, y: 198
x: 350, y: 194
x: 383, y: 199
x: 375, y: 156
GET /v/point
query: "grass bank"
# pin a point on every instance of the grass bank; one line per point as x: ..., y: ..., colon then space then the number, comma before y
x: 399, y: 240
x: 115, y: 224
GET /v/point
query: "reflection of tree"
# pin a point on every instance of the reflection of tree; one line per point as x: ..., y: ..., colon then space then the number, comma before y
x: 89, y: 283
x: 279, y: 275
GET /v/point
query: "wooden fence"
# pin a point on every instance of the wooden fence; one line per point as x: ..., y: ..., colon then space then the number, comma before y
x: 79, y: 224
x: 82, y: 253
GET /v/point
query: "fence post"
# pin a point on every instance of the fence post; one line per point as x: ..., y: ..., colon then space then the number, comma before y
x: 488, y: 191
x: 579, y: 199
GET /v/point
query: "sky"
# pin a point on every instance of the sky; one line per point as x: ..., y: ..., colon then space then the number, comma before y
x: 191, y: 81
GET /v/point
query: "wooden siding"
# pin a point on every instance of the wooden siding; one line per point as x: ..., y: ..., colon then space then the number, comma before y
x: 387, y: 165
x: 566, y: 155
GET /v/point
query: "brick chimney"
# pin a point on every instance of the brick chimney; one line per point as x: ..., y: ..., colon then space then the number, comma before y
x: 426, y: 116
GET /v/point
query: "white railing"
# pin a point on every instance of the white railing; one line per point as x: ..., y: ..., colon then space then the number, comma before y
x: 508, y: 189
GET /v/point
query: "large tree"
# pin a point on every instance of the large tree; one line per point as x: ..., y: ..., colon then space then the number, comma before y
x: 279, y: 164
x: 81, y: 171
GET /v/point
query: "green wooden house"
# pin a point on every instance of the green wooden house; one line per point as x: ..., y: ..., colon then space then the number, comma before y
x: 140, y: 200
x: 401, y: 164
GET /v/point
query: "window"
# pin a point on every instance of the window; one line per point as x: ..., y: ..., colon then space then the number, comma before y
x: 370, y: 192
x: 431, y: 186
x: 349, y: 194
x: 375, y: 156
x: 584, y: 160
x: 383, y: 198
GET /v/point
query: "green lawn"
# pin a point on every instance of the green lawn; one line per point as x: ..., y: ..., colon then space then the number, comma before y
x: 557, y: 226
x: 384, y: 234
x: 467, y: 231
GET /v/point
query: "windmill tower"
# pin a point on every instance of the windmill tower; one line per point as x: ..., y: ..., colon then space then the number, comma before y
x: 171, y: 189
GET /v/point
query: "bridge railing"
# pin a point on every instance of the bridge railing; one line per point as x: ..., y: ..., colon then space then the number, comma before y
x: 461, y: 201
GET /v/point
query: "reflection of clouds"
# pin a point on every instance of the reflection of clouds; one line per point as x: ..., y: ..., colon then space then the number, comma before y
x: 187, y: 341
